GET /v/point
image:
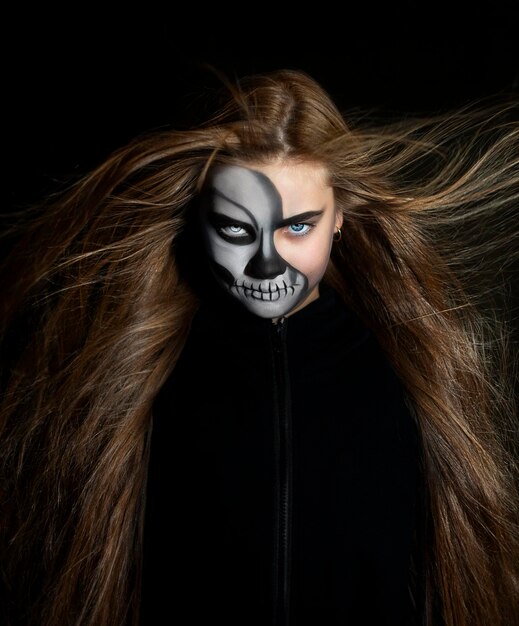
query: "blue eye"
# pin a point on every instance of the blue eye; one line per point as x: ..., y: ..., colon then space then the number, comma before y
x: 300, y: 229
x: 235, y: 234
x: 233, y: 230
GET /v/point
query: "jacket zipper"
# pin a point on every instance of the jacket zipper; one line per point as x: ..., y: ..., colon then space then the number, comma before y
x: 283, y: 454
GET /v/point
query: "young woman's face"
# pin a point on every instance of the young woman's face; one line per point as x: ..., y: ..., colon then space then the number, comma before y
x: 268, y: 232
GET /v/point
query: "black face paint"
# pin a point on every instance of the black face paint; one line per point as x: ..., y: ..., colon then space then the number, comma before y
x: 242, y: 212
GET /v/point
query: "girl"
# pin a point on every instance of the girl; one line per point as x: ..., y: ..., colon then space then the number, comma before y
x: 248, y: 375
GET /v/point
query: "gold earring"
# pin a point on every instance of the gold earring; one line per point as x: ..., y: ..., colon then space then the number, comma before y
x: 337, y: 236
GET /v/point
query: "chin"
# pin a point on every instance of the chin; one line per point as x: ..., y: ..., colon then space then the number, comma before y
x: 268, y: 310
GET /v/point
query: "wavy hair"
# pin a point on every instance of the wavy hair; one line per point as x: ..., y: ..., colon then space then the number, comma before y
x: 96, y: 313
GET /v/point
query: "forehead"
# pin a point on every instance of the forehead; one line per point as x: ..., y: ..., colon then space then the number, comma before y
x: 294, y: 186
x: 244, y: 187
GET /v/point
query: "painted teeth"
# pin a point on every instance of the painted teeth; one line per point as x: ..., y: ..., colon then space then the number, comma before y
x: 273, y: 293
x: 270, y: 296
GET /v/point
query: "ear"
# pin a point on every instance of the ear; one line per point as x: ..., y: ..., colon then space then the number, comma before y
x: 338, y: 220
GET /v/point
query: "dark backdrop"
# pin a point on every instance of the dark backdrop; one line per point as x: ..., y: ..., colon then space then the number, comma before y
x: 79, y: 82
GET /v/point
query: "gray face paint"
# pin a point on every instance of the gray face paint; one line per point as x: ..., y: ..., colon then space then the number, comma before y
x: 238, y: 222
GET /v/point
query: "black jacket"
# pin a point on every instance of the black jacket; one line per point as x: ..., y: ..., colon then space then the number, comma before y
x: 283, y: 477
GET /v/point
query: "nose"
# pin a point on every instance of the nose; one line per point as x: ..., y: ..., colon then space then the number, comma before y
x: 266, y: 263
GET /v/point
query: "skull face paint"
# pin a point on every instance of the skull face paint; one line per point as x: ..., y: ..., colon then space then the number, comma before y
x: 268, y: 233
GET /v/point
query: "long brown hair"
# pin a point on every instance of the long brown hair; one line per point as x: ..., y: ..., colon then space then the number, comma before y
x: 97, y: 312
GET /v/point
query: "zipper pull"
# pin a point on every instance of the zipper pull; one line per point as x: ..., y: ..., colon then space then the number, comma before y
x: 280, y: 330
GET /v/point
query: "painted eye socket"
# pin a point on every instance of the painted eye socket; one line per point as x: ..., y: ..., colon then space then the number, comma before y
x: 300, y: 229
x: 233, y: 230
x: 236, y: 234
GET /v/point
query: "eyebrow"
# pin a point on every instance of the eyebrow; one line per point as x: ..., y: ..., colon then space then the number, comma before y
x: 294, y: 219
x: 300, y: 217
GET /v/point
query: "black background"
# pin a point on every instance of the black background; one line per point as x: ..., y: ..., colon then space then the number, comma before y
x: 79, y: 82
